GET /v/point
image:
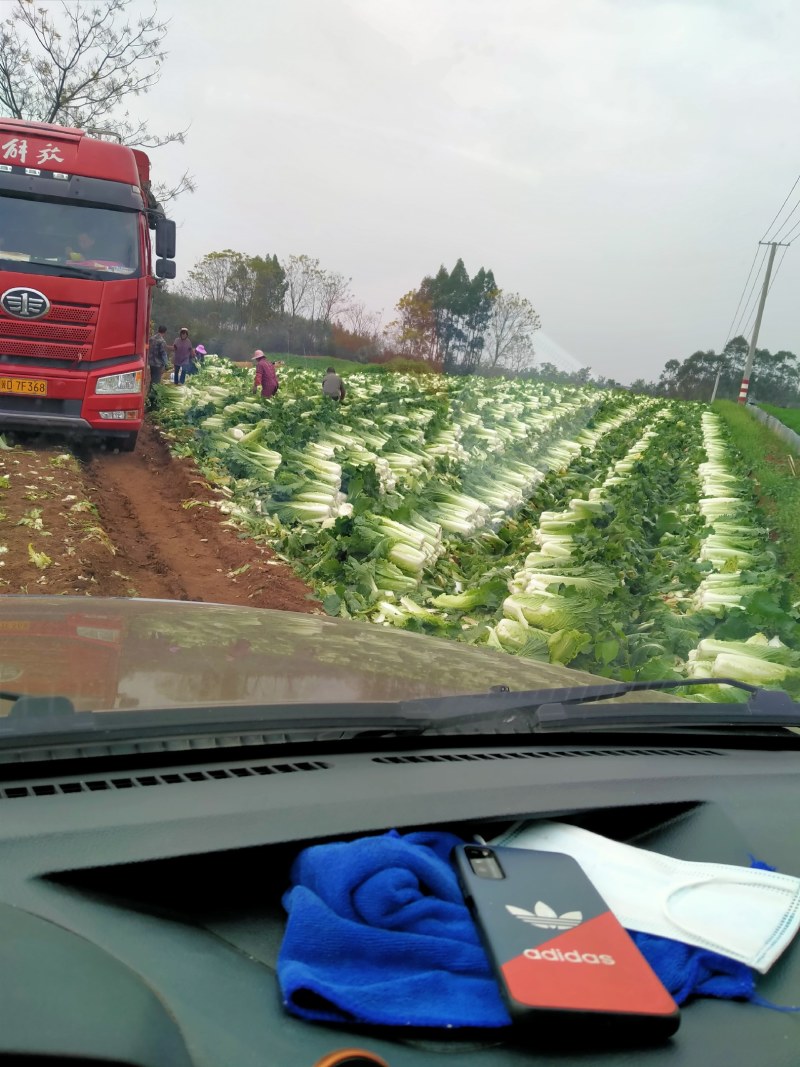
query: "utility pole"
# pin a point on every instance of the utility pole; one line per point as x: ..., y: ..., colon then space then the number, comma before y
x: 716, y: 381
x: 748, y: 367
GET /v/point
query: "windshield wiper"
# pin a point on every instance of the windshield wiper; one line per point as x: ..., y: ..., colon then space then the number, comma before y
x: 556, y: 710
x: 765, y: 708
x: 56, y: 270
x: 501, y: 698
x: 500, y: 710
x: 78, y: 272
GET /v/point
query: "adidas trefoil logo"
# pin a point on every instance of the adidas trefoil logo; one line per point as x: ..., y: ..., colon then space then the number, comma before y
x: 545, y: 918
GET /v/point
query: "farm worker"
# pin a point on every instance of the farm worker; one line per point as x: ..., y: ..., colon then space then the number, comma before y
x: 265, y: 374
x: 199, y: 356
x: 182, y: 353
x: 332, y: 385
x: 157, y: 358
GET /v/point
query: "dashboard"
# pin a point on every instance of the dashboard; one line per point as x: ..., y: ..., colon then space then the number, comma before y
x: 140, y: 897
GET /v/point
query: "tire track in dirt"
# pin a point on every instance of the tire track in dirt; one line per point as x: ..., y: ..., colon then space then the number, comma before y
x: 176, y: 553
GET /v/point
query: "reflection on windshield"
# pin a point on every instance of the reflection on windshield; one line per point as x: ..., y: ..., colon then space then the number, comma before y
x: 82, y: 657
x: 70, y: 236
x: 148, y: 656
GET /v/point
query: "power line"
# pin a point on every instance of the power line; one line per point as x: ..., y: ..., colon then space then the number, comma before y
x: 789, y: 234
x: 777, y: 236
x: 769, y: 290
x: 751, y: 349
x: 750, y: 307
x: 745, y: 330
x: 729, y: 334
x: 783, y: 205
x: 752, y: 298
x: 777, y: 269
x: 750, y: 302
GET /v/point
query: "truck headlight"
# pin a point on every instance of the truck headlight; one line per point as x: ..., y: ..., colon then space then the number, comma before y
x: 129, y: 382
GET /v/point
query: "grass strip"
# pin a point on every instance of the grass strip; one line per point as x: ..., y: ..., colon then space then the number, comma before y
x: 766, y: 459
x: 788, y: 416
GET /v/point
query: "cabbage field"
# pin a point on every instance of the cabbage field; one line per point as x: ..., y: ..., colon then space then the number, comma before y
x: 610, y: 532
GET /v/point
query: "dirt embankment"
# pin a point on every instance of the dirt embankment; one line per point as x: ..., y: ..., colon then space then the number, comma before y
x: 116, y: 525
x: 51, y: 538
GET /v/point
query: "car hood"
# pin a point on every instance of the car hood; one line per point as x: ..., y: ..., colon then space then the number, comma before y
x: 108, y: 654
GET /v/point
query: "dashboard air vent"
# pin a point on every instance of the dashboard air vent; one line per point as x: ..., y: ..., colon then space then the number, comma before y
x: 488, y: 757
x: 102, y: 783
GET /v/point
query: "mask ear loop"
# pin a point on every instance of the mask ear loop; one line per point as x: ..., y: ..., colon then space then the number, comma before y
x: 693, y: 883
x: 753, y: 998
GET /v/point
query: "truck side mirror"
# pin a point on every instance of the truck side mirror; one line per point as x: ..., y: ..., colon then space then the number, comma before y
x: 165, y: 268
x: 165, y: 238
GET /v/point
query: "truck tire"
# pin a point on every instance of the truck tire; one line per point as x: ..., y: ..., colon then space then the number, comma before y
x: 124, y: 444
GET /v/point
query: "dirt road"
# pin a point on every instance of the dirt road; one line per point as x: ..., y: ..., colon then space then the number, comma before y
x: 115, y: 525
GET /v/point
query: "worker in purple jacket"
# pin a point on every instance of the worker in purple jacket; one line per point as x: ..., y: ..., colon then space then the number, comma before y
x: 182, y: 355
x: 265, y: 375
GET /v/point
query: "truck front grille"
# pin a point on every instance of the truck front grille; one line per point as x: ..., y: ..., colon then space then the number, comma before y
x: 65, y: 333
x: 38, y: 350
x: 71, y: 313
x: 45, y: 331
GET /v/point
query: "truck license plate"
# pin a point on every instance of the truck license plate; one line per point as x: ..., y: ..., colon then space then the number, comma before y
x: 30, y: 386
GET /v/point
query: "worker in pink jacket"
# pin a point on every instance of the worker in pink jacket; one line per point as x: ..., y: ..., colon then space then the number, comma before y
x: 182, y: 355
x: 265, y: 375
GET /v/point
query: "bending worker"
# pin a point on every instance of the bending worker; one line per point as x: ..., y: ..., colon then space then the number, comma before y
x: 332, y: 385
x: 265, y: 375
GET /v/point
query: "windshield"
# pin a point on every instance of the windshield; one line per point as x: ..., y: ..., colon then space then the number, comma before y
x: 71, y: 237
x: 400, y: 480
x: 431, y: 380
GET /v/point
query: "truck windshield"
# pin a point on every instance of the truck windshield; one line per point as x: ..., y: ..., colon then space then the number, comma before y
x: 49, y: 233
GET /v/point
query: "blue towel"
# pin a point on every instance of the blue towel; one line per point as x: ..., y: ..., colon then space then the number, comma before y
x: 688, y: 971
x: 378, y: 933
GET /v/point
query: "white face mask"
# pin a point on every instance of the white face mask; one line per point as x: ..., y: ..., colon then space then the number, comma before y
x: 747, y: 914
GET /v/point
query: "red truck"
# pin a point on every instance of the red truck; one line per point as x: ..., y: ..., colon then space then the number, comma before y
x: 76, y: 281
x: 83, y: 654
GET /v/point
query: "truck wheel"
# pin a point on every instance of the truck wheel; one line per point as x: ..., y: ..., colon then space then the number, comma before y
x: 124, y: 444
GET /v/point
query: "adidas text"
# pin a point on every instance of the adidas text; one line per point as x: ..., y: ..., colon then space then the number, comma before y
x: 557, y: 956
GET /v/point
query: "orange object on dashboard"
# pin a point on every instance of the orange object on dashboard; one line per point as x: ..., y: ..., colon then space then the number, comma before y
x: 351, y: 1057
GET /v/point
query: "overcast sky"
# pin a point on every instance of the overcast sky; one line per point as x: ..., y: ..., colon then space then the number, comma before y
x: 615, y: 161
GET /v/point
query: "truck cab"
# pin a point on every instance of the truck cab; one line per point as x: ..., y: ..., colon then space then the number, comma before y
x: 76, y: 279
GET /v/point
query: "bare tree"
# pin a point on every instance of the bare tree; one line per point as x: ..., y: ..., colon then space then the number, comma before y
x: 215, y: 277
x: 164, y: 192
x: 332, y: 293
x: 302, y: 273
x: 413, y: 333
x: 80, y: 65
x: 519, y: 360
x: 355, y: 317
x: 509, y: 337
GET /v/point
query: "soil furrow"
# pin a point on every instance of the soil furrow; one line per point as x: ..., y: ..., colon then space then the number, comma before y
x: 175, y: 552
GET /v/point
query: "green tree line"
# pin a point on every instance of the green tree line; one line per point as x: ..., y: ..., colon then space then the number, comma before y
x: 234, y: 302
x: 775, y: 377
x: 452, y: 322
x: 465, y: 324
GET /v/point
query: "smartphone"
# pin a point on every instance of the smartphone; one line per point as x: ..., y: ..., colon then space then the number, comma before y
x: 557, y: 950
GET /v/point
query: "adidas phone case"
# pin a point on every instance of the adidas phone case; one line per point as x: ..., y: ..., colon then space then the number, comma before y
x: 556, y: 948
